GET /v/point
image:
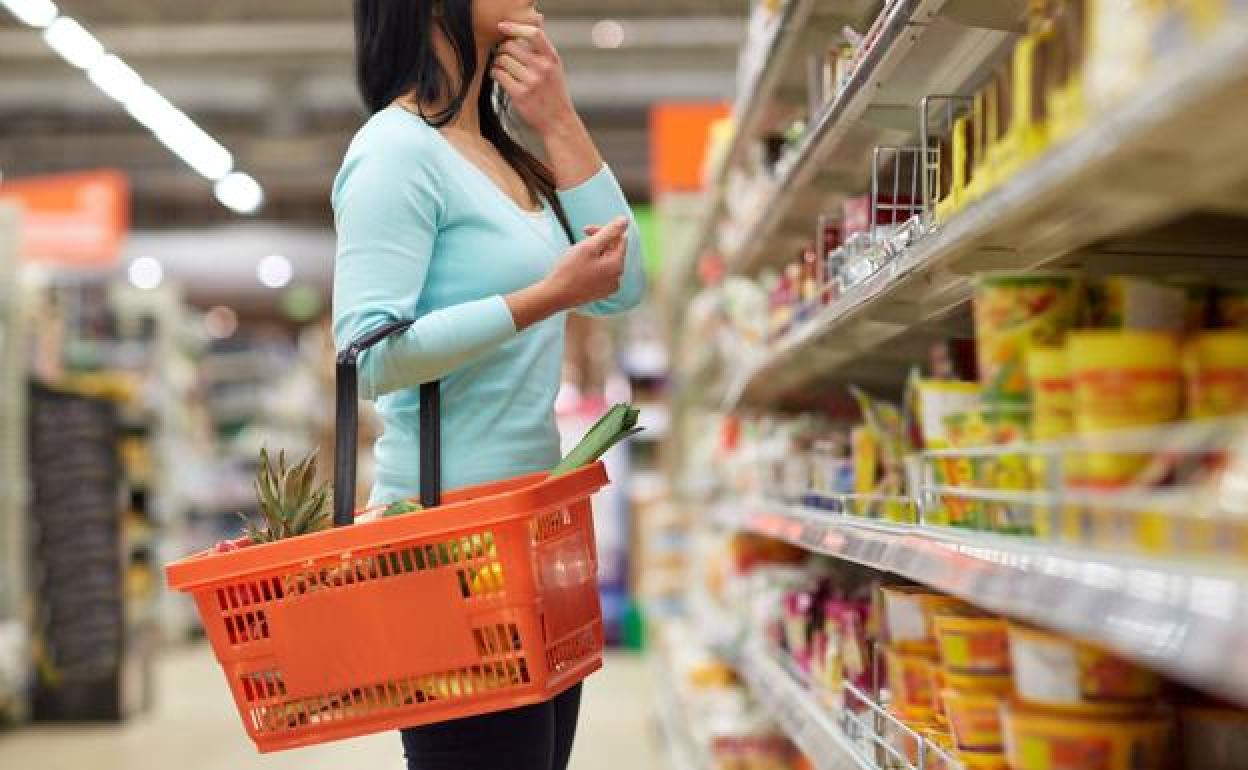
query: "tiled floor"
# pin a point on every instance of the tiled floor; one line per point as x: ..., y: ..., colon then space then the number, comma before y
x: 195, y: 728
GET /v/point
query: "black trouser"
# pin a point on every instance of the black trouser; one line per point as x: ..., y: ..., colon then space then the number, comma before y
x: 530, y: 738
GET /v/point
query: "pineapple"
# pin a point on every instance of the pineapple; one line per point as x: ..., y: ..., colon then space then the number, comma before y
x: 291, y: 501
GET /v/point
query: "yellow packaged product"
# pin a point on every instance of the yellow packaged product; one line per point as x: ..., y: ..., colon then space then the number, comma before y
x: 909, y: 613
x: 864, y: 453
x: 1042, y: 740
x: 1014, y: 312
x: 983, y: 760
x: 1230, y: 306
x: 986, y: 684
x: 1008, y: 425
x: 1052, y: 419
x: 968, y: 430
x: 970, y: 642
x: 1119, y: 48
x: 938, y: 399
x: 1059, y: 673
x: 961, y: 160
x: 1064, y: 100
x: 912, y: 683
x: 974, y: 719
x: 1122, y: 379
x: 1216, y: 365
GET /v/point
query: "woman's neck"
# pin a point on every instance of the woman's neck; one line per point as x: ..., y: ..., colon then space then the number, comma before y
x: 468, y: 120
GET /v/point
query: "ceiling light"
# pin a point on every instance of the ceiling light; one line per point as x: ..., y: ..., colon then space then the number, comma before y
x: 115, y: 78
x: 146, y: 273
x: 74, y: 43
x: 35, y: 13
x: 607, y: 33
x: 275, y: 271
x: 221, y: 322
x: 239, y: 192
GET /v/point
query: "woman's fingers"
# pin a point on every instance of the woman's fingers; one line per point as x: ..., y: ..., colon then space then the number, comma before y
x: 517, y: 30
x: 520, y: 51
x: 506, y: 80
x: 516, y: 69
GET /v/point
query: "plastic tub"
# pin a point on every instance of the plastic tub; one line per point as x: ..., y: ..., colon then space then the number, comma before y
x: 974, y: 719
x: 1042, y: 740
x: 1217, y: 374
x: 972, y: 643
x: 913, y: 684
x: 983, y: 760
x: 908, y: 614
x: 1060, y: 673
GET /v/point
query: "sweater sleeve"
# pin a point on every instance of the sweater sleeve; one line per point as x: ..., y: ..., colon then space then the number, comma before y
x: 597, y: 201
x: 386, y: 210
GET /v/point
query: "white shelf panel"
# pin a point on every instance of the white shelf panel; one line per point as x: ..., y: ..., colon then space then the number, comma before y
x: 1187, y: 619
x: 683, y: 752
x: 1133, y: 167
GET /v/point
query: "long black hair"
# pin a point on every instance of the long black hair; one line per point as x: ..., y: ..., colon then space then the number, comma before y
x: 395, y: 57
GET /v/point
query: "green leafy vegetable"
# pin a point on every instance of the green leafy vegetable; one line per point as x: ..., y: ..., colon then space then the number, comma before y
x: 617, y: 424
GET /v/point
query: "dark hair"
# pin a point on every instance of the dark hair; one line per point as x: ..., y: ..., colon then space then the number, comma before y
x: 395, y: 56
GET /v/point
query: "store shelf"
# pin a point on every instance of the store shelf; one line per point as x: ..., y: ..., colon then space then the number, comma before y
x: 811, y: 726
x: 1177, y: 617
x: 682, y: 750
x: 1129, y: 171
x: 918, y: 52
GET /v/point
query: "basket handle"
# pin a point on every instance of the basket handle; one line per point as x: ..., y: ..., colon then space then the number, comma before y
x: 347, y: 428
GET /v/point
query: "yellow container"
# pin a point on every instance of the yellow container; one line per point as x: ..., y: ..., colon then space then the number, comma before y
x: 960, y: 169
x: 966, y: 430
x: 1059, y: 673
x: 1216, y: 365
x: 985, y: 684
x: 983, y: 760
x: 908, y: 615
x: 1013, y: 313
x: 1065, y: 103
x: 974, y: 720
x: 1027, y: 135
x: 1052, y: 394
x: 912, y: 682
x: 1008, y: 425
x: 1040, y: 740
x: 1122, y: 379
x: 973, y: 644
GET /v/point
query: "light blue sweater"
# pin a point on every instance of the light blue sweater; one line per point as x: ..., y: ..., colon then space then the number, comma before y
x: 424, y: 234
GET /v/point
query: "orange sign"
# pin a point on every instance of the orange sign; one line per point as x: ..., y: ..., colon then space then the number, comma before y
x: 71, y: 220
x: 679, y: 134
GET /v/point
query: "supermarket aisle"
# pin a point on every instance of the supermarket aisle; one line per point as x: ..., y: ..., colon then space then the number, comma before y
x: 194, y: 727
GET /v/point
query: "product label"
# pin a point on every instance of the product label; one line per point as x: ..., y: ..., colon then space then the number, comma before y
x: 1046, y: 672
x: 1047, y: 752
x: 905, y: 619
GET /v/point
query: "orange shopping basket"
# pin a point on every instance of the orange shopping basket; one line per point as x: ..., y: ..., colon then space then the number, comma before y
x: 486, y: 602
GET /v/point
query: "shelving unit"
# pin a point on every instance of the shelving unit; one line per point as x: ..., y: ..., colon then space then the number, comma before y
x: 14, y: 633
x: 1173, y: 616
x: 1093, y: 201
x: 682, y: 749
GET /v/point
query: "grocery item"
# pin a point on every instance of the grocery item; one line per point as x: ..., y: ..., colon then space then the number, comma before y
x: 1060, y: 673
x: 1118, y: 48
x: 911, y: 680
x: 291, y: 501
x: 937, y: 399
x: 967, y: 430
x: 1212, y: 738
x: 993, y: 684
x: 1013, y: 312
x: 970, y: 642
x: 616, y: 425
x: 1008, y: 425
x: 974, y: 719
x: 1216, y: 366
x: 1052, y: 394
x: 1122, y: 379
x: 982, y: 760
x: 1041, y: 740
x: 1121, y: 302
x: 908, y: 615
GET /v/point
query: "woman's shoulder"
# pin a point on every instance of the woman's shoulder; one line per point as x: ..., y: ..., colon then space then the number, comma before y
x: 393, y: 144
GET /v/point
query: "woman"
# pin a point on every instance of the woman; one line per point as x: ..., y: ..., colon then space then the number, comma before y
x: 443, y: 218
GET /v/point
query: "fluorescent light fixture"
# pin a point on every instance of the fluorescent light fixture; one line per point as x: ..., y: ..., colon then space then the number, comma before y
x: 275, y: 271
x: 34, y: 13
x: 607, y: 33
x: 115, y: 78
x: 239, y: 192
x: 74, y: 43
x: 146, y: 273
x: 172, y: 127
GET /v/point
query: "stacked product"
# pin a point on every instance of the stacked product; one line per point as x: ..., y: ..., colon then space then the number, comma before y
x: 1065, y: 358
x: 81, y: 636
x: 1005, y: 696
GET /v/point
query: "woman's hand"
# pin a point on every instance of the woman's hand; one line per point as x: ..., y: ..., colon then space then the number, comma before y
x: 529, y: 70
x: 589, y: 271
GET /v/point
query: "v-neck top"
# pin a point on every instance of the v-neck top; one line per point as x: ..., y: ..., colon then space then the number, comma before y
x: 425, y: 234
